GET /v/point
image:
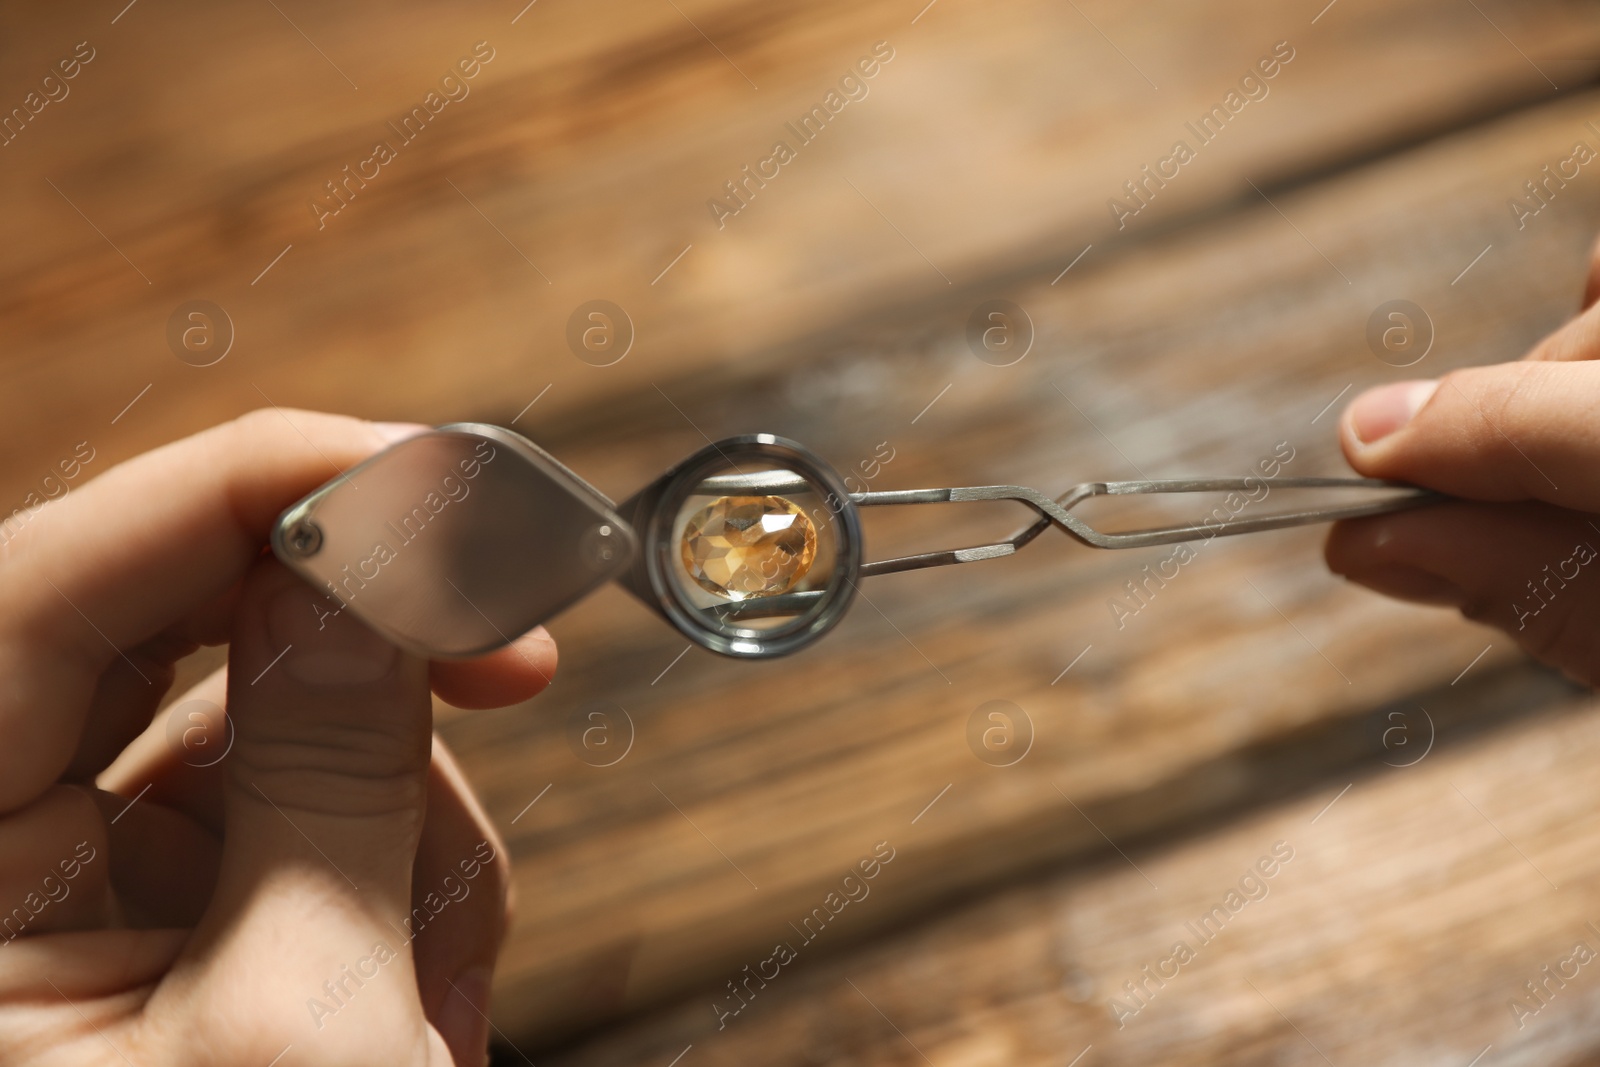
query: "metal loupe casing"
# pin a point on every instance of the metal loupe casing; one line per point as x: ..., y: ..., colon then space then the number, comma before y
x: 455, y: 542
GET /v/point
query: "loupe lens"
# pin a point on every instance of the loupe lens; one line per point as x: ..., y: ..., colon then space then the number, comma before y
x: 754, y: 547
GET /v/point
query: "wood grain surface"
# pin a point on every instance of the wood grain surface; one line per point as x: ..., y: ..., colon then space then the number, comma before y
x: 1216, y: 326
x: 1412, y: 908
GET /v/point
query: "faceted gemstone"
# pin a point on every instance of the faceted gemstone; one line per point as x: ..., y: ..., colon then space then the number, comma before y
x: 749, y: 546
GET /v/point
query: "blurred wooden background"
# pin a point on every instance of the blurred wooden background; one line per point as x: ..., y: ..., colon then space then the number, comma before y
x: 1223, y: 319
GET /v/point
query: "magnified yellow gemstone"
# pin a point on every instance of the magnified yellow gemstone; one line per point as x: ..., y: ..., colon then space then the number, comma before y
x: 749, y: 546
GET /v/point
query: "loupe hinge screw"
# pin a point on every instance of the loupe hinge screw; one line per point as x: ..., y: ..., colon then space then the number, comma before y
x: 601, y: 545
x: 303, y: 538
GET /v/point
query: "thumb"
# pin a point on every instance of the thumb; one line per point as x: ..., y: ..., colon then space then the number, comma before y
x: 1514, y: 431
x: 304, y: 941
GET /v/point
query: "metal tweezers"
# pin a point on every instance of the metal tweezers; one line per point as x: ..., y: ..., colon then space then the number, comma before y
x: 1058, y: 511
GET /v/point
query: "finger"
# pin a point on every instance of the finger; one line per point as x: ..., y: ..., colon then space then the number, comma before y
x: 460, y: 910
x: 179, y: 756
x: 55, y: 874
x: 460, y: 885
x: 163, y: 863
x: 325, y: 797
x: 76, y: 964
x: 180, y: 760
x: 112, y: 564
x: 505, y: 676
x: 1529, y: 570
x: 1514, y: 431
x: 123, y: 706
x: 1591, y: 290
x: 1578, y: 339
x: 124, y: 701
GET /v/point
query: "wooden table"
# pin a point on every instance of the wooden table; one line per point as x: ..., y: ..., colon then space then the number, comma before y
x: 1172, y: 747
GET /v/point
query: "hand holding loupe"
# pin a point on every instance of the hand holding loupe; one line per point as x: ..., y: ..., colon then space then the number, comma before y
x: 455, y: 542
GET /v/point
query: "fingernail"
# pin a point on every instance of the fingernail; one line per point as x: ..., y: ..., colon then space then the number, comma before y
x: 464, y: 1016
x: 1379, y: 412
x: 398, y: 431
x: 322, y: 648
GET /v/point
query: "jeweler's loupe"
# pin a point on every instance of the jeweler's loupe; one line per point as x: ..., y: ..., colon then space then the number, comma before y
x: 455, y: 542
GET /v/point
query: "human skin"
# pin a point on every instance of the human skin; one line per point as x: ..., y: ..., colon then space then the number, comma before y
x: 217, y: 905
x: 1519, y: 444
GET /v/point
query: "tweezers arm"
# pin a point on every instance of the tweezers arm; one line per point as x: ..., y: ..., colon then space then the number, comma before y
x: 1401, y: 497
x: 1058, y: 512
